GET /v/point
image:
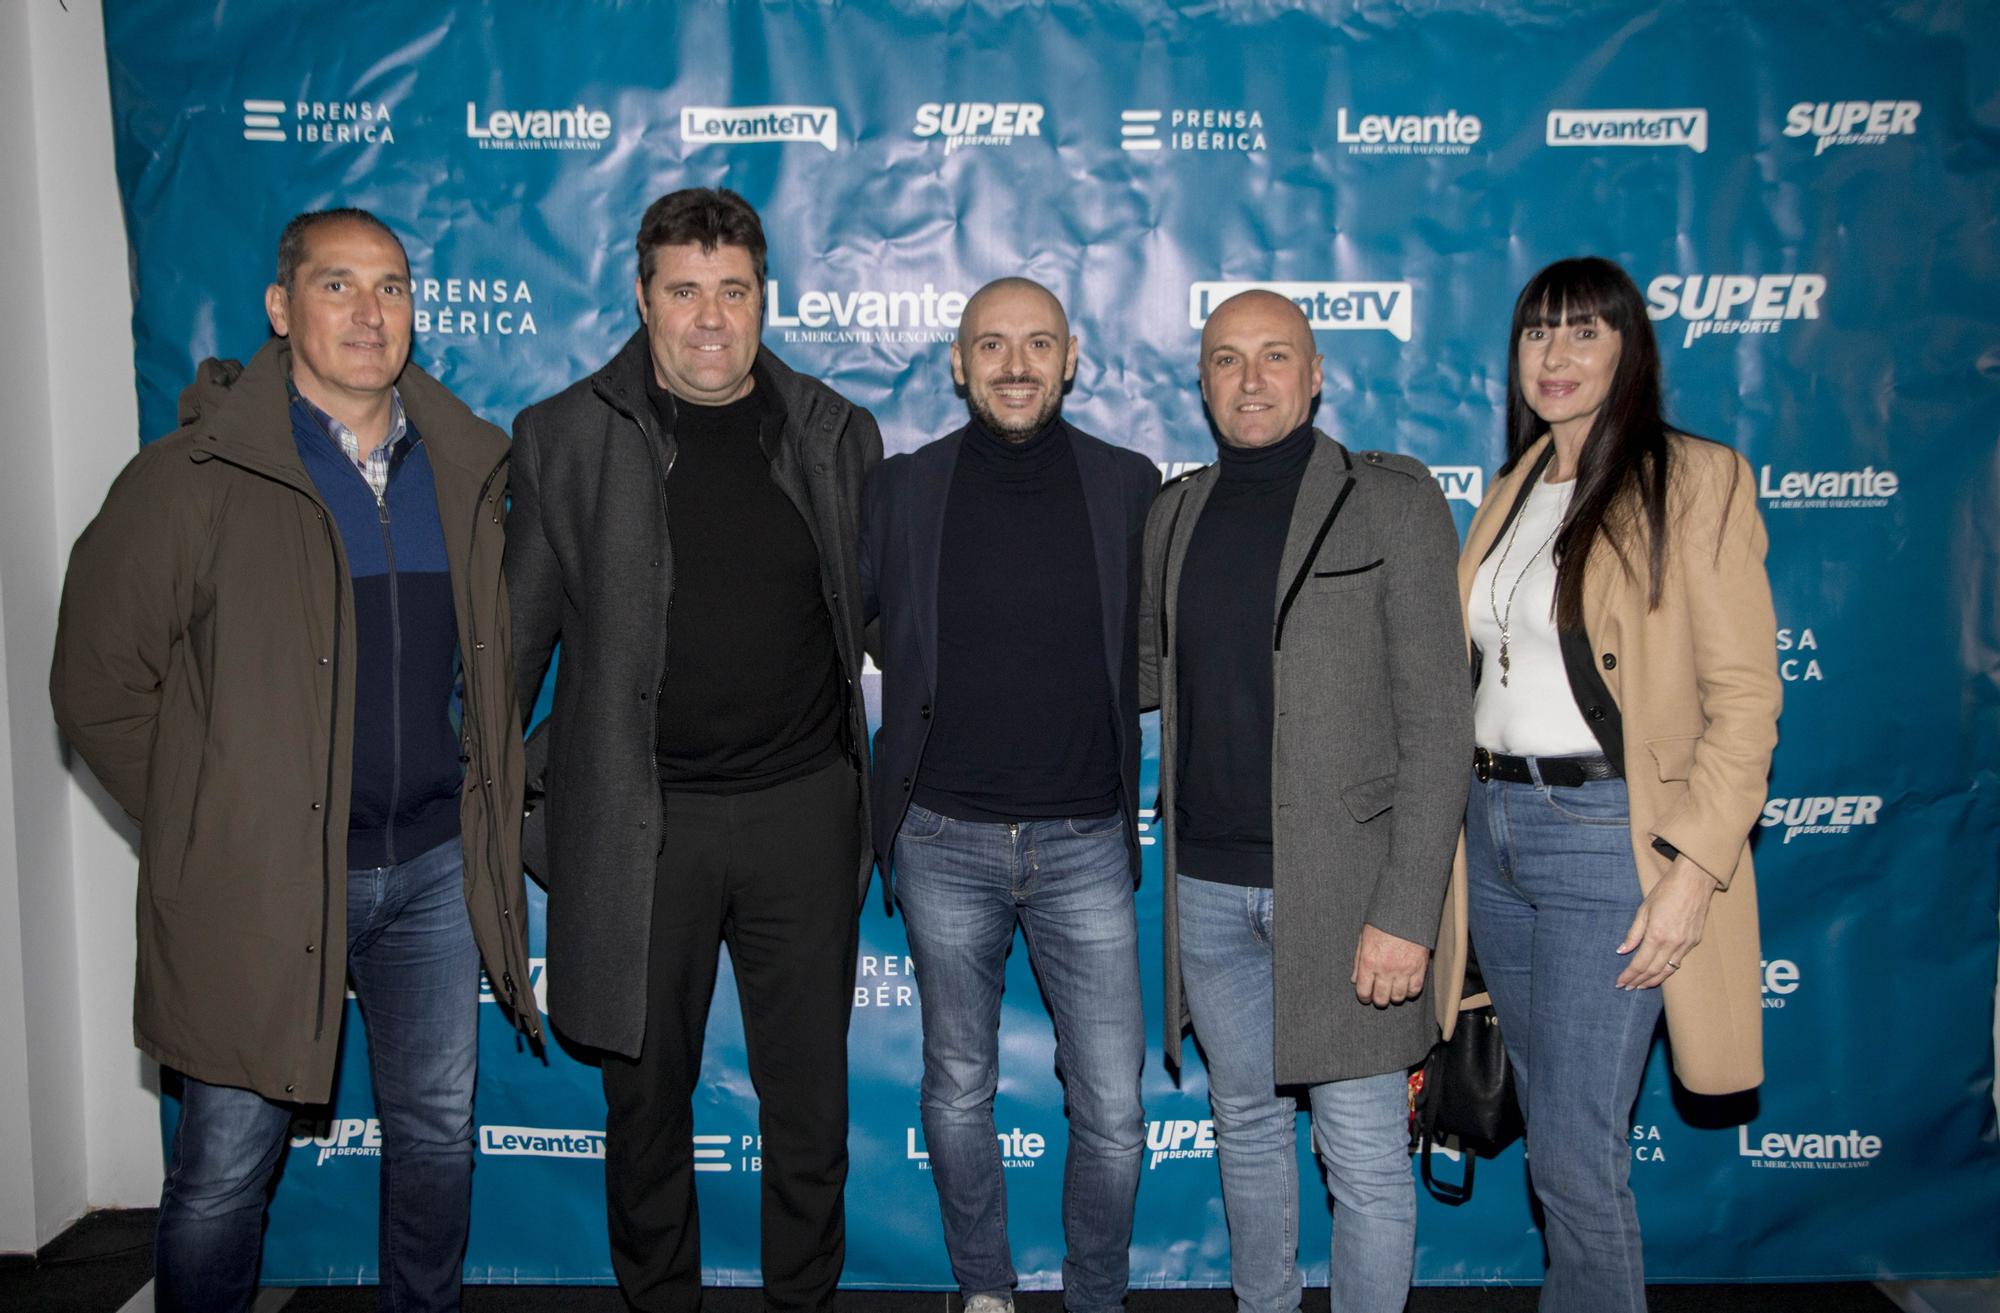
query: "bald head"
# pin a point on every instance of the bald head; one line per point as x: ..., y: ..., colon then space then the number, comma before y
x: 1259, y: 371
x: 1013, y: 355
x: 1012, y: 292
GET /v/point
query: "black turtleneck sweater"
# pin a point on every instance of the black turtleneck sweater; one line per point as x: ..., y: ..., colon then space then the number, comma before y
x: 752, y: 695
x: 1021, y: 727
x: 1222, y: 650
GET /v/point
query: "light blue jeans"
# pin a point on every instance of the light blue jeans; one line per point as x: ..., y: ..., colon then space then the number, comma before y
x: 415, y: 967
x: 1552, y: 891
x: 962, y: 886
x: 1361, y: 1126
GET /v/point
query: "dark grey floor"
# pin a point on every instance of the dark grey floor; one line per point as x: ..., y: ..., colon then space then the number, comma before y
x: 101, y: 1262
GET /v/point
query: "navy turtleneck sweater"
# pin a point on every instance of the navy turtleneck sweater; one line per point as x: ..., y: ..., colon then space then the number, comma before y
x: 1222, y: 650
x: 1022, y: 723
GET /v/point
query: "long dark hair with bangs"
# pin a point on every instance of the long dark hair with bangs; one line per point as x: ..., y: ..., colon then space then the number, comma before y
x: 1621, y: 477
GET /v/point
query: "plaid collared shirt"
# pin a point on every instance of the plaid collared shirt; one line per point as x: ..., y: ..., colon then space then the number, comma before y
x: 375, y: 468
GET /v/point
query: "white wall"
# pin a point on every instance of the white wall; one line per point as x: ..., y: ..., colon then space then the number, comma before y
x: 78, y: 1121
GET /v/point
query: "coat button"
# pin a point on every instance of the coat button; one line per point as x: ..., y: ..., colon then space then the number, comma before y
x: 1611, y: 661
x: 643, y: 695
x: 309, y: 948
x: 642, y: 825
x: 315, y: 806
x: 479, y: 647
x: 290, y: 1088
x: 322, y: 660
x: 1597, y: 713
x: 924, y: 711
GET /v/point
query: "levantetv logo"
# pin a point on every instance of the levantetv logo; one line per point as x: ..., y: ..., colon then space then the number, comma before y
x: 540, y: 1142
x: 1466, y: 483
x: 1629, y: 127
x: 1384, y: 307
x: 703, y: 125
x: 1734, y: 303
x: 1852, y: 122
x: 575, y: 128
x: 1449, y: 133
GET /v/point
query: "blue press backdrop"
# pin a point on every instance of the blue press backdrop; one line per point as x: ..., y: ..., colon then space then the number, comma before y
x: 1806, y: 192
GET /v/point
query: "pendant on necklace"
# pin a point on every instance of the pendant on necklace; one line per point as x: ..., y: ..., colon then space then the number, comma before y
x: 1504, y: 663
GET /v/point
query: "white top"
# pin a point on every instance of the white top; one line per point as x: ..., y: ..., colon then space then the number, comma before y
x: 1534, y: 713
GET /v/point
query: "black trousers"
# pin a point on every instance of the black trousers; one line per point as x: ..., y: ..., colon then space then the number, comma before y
x: 771, y: 874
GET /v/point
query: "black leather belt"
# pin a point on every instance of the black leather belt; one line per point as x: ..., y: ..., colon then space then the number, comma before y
x: 1562, y: 772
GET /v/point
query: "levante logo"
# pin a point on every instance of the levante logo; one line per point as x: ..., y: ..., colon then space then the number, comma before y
x: 866, y: 315
x: 1449, y: 133
x: 576, y: 127
x: 1629, y: 127
x: 1822, y: 1150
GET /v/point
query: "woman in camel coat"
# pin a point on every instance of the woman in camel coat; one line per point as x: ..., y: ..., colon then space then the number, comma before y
x: 1625, y: 713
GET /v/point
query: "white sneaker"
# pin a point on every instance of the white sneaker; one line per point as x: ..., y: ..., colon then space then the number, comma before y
x: 989, y: 1304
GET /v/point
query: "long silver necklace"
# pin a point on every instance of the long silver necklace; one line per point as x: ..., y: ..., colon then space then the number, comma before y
x: 1492, y: 588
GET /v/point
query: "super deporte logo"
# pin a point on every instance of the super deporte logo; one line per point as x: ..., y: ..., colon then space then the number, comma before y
x: 1383, y: 307
x: 1734, y: 303
x: 978, y: 122
x: 703, y: 125
x: 1835, y: 814
x: 1629, y: 127
x: 1852, y: 122
x: 575, y: 127
x: 1172, y: 1139
x: 339, y: 1137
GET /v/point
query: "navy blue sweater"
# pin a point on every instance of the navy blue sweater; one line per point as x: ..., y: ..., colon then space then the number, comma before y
x: 406, y: 768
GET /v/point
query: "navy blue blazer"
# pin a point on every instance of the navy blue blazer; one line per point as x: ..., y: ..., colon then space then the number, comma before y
x: 902, y: 536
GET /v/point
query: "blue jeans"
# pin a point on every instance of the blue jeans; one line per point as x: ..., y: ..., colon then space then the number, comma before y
x: 1361, y: 1126
x: 962, y: 886
x: 1553, y: 889
x: 415, y: 967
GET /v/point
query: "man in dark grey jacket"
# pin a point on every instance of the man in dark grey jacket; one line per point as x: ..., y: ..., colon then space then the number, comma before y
x: 1300, y: 632
x: 684, y: 523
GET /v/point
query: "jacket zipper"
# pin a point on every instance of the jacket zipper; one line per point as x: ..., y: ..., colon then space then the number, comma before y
x: 395, y: 682
x: 326, y: 805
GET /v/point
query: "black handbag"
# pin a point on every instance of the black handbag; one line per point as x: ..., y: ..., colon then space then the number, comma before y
x: 1466, y: 1092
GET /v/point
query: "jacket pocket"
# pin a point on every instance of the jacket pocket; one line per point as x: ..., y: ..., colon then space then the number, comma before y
x: 1370, y: 798
x: 1674, y: 755
x: 1343, y: 574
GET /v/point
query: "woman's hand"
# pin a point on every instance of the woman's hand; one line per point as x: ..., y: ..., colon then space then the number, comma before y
x: 1668, y: 926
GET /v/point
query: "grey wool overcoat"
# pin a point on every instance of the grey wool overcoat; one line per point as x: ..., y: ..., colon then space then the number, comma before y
x: 590, y: 564
x: 1370, y: 752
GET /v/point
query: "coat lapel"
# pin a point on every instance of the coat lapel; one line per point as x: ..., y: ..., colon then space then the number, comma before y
x: 1323, y: 492
x: 930, y: 486
x: 1107, y: 533
x: 1180, y: 529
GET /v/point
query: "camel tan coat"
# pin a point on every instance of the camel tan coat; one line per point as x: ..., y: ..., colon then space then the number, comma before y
x: 1696, y: 684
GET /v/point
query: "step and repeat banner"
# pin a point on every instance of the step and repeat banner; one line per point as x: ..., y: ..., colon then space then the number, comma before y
x: 1805, y: 193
